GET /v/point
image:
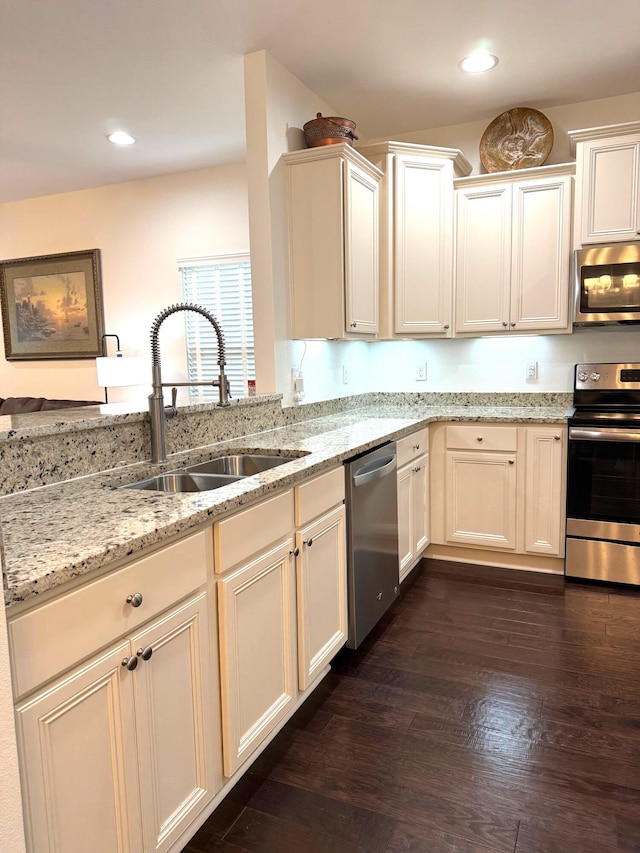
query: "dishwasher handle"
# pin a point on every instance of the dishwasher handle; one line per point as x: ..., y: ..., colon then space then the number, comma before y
x: 372, y: 471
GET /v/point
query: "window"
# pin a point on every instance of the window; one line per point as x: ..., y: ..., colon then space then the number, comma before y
x: 222, y: 285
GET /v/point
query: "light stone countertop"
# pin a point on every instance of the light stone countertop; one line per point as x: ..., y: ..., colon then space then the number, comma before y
x: 59, y: 532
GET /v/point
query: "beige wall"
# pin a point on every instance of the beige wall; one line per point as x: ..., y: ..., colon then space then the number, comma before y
x: 142, y: 228
x: 277, y: 105
x: 563, y: 118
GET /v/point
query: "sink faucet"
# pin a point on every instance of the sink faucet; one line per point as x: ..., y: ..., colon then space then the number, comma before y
x: 158, y: 412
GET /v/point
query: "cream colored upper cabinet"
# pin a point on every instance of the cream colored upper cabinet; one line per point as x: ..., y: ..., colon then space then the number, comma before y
x: 483, y: 260
x: 513, y: 250
x: 541, y: 254
x: 333, y: 195
x: 416, y: 237
x: 607, y: 184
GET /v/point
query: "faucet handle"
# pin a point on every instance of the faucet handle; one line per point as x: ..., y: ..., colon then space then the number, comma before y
x: 171, y: 411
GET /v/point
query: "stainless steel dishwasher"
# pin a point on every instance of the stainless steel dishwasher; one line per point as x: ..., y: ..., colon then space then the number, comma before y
x: 372, y: 538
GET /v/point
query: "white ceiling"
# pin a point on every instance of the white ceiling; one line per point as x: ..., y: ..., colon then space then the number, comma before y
x: 171, y: 72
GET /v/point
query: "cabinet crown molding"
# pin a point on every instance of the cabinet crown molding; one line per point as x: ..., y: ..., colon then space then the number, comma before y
x: 589, y: 133
x: 461, y: 165
x: 329, y: 152
x: 513, y: 175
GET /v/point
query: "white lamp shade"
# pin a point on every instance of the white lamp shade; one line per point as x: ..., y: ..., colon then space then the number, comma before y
x: 123, y: 370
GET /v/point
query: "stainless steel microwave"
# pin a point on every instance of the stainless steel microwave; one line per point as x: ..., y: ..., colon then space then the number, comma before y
x: 607, y: 284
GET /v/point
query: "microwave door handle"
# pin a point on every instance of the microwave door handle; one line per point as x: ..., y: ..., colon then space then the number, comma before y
x: 581, y: 434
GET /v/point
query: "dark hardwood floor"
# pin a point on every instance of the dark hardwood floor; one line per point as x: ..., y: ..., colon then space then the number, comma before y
x: 492, y: 711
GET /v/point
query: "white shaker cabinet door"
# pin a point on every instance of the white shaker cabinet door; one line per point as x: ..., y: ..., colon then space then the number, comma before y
x: 321, y: 566
x: 79, y: 761
x: 483, y: 258
x: 406, y: 520
x: 610, y: 189
x: 545, y: 490
x: 481, y: 499
x: 420, y: 495
x: 541, y: 252
x: 179, y: 769
x: 256, y: 606
x: 413, y: 512
x: 361, y: 251
x: 423, y: 245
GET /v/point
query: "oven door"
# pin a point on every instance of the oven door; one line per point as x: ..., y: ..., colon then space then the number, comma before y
x: 603, y: 504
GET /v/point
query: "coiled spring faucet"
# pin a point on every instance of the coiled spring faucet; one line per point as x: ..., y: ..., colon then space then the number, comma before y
x: 158, y: 412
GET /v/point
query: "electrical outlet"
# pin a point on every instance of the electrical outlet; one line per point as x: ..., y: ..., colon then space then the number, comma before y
x: 345, y: 375
x: 532, y: 371
x: 297, y: 380
x: 421, y: 372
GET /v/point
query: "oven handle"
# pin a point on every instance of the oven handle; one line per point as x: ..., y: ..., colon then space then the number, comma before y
x: 577, y: 434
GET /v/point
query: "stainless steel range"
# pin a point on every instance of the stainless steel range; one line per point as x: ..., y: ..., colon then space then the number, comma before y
x: 603, y: 476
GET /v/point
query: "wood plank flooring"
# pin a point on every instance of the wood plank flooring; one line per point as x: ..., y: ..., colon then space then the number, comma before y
x: 492, y: 711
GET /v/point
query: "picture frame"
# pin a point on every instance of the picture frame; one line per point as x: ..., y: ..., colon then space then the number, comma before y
x: 52, y: 307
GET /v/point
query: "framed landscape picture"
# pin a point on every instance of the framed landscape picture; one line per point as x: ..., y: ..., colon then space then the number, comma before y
x: 52, y: 306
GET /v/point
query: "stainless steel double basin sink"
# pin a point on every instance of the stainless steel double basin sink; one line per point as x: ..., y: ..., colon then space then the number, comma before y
x: 210, y: 475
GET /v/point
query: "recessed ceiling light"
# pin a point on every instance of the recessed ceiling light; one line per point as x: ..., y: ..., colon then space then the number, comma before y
x: 121, y: 137
x: 478, y: 61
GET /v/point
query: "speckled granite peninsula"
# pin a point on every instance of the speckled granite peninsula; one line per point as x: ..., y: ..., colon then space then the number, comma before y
x: 63, y: 515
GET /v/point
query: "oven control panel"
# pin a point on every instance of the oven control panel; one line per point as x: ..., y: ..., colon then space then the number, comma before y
x: 605, y: 377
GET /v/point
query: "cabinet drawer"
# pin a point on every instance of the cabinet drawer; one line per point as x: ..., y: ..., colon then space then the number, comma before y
x: 247, y: 533
x: 482, y: 437
x: 318, y: 496
x: 411, y: 446
x: 53, y: 637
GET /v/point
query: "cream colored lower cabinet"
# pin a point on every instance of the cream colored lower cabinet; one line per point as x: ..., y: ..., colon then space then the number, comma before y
x: 413, y: 499
x: 321, y: 572
x: 413, y: 512
x: 501, y: 488
x: 79, y: 761
x: 117, y: 755
x: 256, y: 605
x: 281, y: 604
x: 321, y: 569
x: 481, y: 498
x: 544, y: 521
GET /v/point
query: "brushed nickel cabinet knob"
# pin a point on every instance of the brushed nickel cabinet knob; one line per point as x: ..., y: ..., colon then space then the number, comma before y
x: 135, y: 600
x: 130, y: 663
x: 145, y: 653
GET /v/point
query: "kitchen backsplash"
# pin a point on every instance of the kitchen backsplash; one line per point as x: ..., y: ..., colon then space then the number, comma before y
x: 37, y: 452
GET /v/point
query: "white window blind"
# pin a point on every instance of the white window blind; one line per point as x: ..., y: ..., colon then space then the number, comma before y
x: 223, y: 287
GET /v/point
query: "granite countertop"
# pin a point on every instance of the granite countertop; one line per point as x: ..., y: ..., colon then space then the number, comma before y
x: 59, y: 532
